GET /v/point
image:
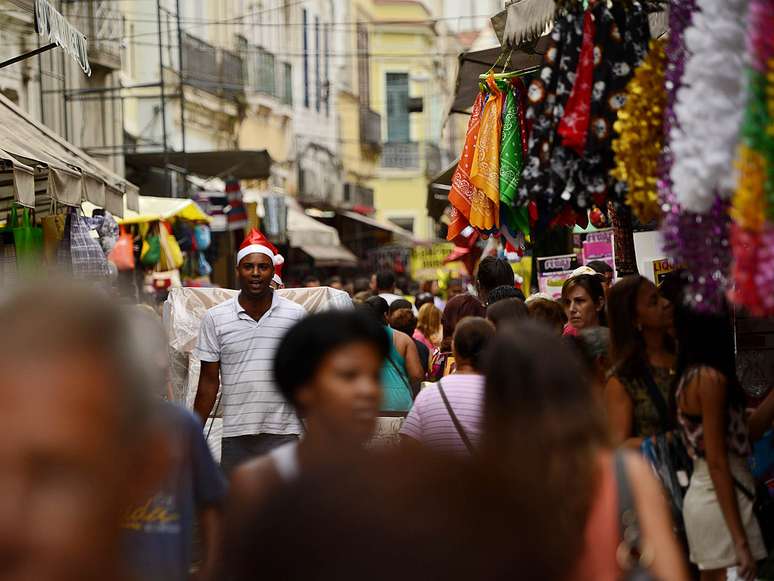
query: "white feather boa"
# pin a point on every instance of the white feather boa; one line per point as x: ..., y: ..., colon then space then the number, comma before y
x: 710, y: 104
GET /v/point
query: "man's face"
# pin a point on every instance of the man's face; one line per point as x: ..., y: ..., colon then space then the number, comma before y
x: 67, y: 471
x: 255, y: 272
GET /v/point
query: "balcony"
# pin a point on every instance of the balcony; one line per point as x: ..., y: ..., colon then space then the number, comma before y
x: 103, y: 27
x: 397, y: 155
x: 370, y: 129
x: 265, y: 75
x: 211, y: 69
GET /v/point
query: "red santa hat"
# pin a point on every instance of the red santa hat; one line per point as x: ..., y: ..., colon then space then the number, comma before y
x: 256, y: 243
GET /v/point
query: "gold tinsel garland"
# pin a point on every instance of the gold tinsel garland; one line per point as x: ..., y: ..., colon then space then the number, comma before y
x: 640, y: 134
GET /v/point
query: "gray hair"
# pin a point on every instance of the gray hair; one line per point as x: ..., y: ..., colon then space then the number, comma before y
x: 63, y: 318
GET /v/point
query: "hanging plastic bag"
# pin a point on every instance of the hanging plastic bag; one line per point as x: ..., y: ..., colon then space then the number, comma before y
x: 203, y: 237
x: 28, y: 240
x: 53, y: 232
x: 204, y: 267
x: 151, y: 251
x: 122, y: 254
x: 171, y: 255
x: 88, y: 258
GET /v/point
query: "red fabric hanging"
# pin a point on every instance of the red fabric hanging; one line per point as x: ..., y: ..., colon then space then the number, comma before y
x: 574, y: 126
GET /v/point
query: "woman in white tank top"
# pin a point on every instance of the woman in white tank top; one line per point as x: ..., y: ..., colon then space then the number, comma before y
x: 328, y: 366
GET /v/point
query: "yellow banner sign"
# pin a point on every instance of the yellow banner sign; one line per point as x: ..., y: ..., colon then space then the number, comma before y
x: 426, y: 261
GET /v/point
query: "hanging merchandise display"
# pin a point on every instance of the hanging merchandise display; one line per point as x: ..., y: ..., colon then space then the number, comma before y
x: 696, y: 241
x: 574, y: 104
x: 705, y: 137
x: 640, y: 128
x: 752, y: 237
x: 513, y: 148
x: 461, y: 193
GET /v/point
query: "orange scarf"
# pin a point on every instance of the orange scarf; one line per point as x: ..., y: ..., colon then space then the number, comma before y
x: 461, y: 193
x: 485, y: 173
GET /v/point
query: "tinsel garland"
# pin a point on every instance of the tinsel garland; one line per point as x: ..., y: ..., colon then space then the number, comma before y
x: 753, y: 203
x: 709, y: 104
x: 697, y: 242
x: 640, y: 128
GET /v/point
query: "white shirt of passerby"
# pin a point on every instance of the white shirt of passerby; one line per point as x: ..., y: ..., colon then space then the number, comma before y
x: 245, y: 348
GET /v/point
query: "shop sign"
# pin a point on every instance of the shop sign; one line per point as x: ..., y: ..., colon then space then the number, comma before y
x: 50, y: 24
x: 523, y: 271
x: 598, y: 246
x: 426, y: 261
x: 661, y: 268
x: 553, y: 271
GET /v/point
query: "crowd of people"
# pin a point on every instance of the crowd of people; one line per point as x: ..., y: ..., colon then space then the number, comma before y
x: 532, y: 430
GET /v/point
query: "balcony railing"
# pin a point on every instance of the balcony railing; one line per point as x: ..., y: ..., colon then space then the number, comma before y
x: 266, y: 75
x: 103, y: 26
x: 400, y: 155
x: 370, y: 129
x: 212, y: 69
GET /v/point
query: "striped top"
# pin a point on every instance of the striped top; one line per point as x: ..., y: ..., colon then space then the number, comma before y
x: 429, y: 421
x: 245, y: 349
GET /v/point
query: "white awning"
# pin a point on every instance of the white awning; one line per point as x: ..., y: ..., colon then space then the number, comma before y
x: 330, y: 255
x: 32, y: 151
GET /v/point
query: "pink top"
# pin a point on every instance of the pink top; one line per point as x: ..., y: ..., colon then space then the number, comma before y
x: 420, y: 336
x: 429, y: 421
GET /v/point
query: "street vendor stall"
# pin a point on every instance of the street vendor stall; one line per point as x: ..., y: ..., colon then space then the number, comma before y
x: 44, y: 182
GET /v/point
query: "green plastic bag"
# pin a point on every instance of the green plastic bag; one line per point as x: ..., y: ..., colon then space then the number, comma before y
x: 151, y: 251
x: 28, y: 240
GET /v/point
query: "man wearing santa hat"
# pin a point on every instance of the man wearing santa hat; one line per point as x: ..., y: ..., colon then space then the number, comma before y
x: 236, y: 346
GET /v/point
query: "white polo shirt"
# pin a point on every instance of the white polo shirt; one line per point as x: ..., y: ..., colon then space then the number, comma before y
x: 245, y: 349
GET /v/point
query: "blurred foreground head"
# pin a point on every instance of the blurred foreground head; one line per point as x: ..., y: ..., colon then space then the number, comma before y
x: 407, y: 515
x: 78, y: 433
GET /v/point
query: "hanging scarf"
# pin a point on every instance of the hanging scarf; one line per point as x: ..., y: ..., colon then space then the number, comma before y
x: 511, y: 162
x: 461, y: 193
x: 485, y: 173
x: 574, y: 126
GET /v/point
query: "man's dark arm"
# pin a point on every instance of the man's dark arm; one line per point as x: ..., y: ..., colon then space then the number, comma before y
x: 207, y: 392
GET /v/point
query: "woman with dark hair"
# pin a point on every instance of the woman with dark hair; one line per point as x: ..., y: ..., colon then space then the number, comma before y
x: 585, y: 299
x: 493, y: 272
x: 637, y: 393
x: 719, y: 520
x: 458, y: 307
x: 327, y: 367
x: 543, y: 430
x: 447, y: 416
x: 402, y: 370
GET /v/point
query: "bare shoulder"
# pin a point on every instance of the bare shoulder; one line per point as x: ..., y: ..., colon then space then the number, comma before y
x: 254, y: 481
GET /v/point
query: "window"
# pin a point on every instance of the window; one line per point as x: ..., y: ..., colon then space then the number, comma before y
x: 306, y: 57
x: 398, y: 122
x: 405, y: 223
x: 287, y: 95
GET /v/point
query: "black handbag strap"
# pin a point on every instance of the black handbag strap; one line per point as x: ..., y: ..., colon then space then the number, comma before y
x: 455, y: 420
x: 657, y: 397
x: 743, y: 489
x: 401, y: 375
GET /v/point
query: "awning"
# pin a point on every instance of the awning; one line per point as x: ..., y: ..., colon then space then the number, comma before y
x: 478, y: 62
x: 32, y: 151
x: 238, y: 164
x: 396, y: 230
x: 153, y: 208
x: 330, y: 255
x: 526, y: 20
x: 438, y: 192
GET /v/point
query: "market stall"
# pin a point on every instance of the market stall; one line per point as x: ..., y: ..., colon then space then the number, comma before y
x: 608, y: 133
x: 44, y: 180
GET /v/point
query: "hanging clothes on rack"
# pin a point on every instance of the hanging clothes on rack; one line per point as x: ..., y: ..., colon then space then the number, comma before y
x: 485, y: 173
x: 570, y: 149
x: 461, y: 193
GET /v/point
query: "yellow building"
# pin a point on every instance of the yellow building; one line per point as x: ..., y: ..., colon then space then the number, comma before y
x: 409, y: 87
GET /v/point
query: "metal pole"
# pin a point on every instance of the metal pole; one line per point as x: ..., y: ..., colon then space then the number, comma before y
x: 182, y: 88
x: 161, y: 78
x: 27, y: 54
